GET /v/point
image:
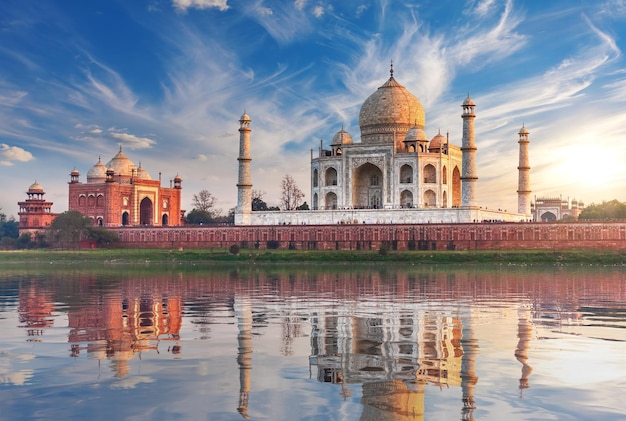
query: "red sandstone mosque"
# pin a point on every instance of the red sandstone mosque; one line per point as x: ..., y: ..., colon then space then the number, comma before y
x: 122, y: 194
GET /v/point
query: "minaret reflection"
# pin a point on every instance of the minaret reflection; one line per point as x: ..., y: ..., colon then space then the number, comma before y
x: 468, y: 375
x: 243, y: 310
x: 525, y: 330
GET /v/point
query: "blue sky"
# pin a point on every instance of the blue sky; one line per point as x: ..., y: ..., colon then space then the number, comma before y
x: 168, y: 80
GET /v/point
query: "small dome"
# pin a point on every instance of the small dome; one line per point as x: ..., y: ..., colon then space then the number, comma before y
x: 177, y: 179
x: 35, y: 188
x: 122, y: 165
x: 97, y: 173
x: 75, y: 172
x: 342, y: 137
x: 468, y: 102
x: 437, y: 142
x: 523, y: 130
x: 244, y: 117
x: 415, y: 134
x: 143, y: 174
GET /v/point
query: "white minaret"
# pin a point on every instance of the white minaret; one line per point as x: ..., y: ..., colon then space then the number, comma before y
x: 468, y: 149
x: 523, y: 185
x: 244, y: 183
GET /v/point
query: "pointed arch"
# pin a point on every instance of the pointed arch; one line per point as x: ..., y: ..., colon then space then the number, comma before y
x: 456, y: 187
x: 330, y: 201
x: 430, y: 199
x: 406, y: 174
x: 367, y: 189
x: 145, y: 211
x: 430, y: 174
x: 406, y: 199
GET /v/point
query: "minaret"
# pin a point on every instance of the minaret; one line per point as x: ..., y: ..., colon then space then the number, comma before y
x: 468, y: 149
x: 523, y: 186
x: 244, y: 184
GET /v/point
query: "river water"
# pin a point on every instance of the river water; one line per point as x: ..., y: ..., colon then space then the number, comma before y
x: 327, y: 343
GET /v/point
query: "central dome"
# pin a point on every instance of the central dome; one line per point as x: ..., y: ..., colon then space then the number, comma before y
x: 122, y: 165
x: 389, y: 113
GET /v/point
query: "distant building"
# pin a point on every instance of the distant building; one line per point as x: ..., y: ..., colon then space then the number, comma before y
x: 549, y: 209
x: 122, y: 194
x: 35, y: 212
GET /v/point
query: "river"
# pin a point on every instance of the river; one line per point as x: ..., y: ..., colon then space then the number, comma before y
x: 483, y: 342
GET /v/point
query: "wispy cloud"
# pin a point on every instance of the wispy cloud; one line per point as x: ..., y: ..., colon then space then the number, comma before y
x: 184, y: 5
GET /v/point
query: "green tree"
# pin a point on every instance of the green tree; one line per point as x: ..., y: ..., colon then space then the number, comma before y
x: 69, y: 228
x: 613, y: 209
x: 102, y: 236
x: 8, y: 227
x: 199, y: 217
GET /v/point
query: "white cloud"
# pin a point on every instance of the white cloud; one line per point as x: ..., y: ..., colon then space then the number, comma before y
x: 132, y: 141
x: 184, y: 5
x: 13, y: 153
x: 318, y: 11
x: 300, y: 4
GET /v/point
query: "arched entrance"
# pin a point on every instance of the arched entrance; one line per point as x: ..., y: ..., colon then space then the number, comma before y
x: 406, y: 199
x: 125, y: 219
x: 456, y: 187
x: 367, y: 187
x: 145, y: 212
x: 331, y: 201
x: 548, y: 217
x: 164, y: 219
x: 430, y: 199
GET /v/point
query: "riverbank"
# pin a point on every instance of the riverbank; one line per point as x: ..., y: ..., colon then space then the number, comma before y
x: 209, y: 256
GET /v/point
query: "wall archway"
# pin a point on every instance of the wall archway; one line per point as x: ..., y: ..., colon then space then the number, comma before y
x: 367, y: 187
x: 406, y: 199
x: 145, y: 211
x: 125, y: 219
x: 330, y: 201
x: 456, y: 187
x: 430, y: 174
x: 164, y: 219
x: 430, y: 199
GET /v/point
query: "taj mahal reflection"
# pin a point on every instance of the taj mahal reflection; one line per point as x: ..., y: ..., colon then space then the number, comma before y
x: 390, y: 343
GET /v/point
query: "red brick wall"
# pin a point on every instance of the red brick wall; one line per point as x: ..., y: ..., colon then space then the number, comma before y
x: 605, y: 235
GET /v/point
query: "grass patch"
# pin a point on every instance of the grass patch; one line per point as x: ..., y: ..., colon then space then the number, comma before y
x: 211, y: 256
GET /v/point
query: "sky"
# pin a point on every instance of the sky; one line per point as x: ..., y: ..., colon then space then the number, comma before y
x: 168, y: 80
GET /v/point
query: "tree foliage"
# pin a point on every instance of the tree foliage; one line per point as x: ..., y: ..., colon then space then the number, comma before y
x: 258, y: 204
x: 199, y: 217
x: 8, y: 227
x: 205, y: 201
x: 606, y: 210
x: 291, y: 196
x: 68, y: 229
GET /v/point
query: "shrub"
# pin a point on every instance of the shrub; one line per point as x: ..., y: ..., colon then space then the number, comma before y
x: 234, y: 249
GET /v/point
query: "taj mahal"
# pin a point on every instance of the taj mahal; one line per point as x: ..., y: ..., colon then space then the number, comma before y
x: 395, y: 174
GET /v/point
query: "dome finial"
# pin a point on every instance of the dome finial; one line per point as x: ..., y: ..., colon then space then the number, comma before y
x: 391, y: 71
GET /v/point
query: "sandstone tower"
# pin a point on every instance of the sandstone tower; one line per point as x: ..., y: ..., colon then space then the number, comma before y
x: 523, y: 186
x: 244, y: 183
x: 468, y: 147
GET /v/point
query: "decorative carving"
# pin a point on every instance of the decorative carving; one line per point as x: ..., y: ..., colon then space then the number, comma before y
x: 374, y: 160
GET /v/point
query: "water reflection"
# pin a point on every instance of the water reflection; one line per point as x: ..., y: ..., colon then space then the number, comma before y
x: 388, y: 344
